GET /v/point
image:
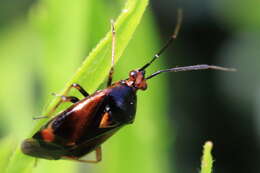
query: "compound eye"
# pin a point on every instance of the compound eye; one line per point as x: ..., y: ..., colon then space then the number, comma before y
x: 133, y: 74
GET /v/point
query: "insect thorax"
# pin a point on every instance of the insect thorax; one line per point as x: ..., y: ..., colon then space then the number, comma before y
x: 122, y: 103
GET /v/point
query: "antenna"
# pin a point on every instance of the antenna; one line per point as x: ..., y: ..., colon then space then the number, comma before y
x: 173, y: 37
x: 191, y: 68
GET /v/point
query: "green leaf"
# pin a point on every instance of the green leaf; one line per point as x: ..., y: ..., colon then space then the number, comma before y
x: 91, y: 74
x: 144, y: 145
x: 6, y: 145
x: 207, y: 160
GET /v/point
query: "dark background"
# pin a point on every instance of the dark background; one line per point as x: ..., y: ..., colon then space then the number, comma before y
x: 203, y: 109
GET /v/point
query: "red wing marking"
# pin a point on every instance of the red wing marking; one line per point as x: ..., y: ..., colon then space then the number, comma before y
x: 47, y: 135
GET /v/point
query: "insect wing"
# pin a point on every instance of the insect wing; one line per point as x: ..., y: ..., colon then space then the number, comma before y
x: 87, y: 146
x: 78, y: 124
x: 79, y: 119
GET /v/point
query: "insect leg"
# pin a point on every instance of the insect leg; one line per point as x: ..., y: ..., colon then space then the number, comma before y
x: 69, y: 99
x: 63, y: 99
x: 79, y: 88
x: 40, y: 117
x: 35, y: 162
x: 72, y: 99
x: 110, y: 76
x: 98, y: 154
x: 98, y: 157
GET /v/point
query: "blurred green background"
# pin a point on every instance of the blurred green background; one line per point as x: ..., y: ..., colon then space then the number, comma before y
x: 42, y: 43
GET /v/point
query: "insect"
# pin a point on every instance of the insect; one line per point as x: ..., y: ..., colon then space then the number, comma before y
x: 87, y: 123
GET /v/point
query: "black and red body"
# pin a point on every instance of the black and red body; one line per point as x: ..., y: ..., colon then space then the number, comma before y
x: 85, y: 125
x: 89, y: 122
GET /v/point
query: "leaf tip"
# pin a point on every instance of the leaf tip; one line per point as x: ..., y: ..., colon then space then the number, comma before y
x: 207, y: 160
x: 208, y: 144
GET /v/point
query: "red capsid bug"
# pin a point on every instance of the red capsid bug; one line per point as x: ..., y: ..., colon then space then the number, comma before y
x: 89, y: 122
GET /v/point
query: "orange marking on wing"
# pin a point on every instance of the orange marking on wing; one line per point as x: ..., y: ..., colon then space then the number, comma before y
x: 47, y: 135
x: 105, y: 121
